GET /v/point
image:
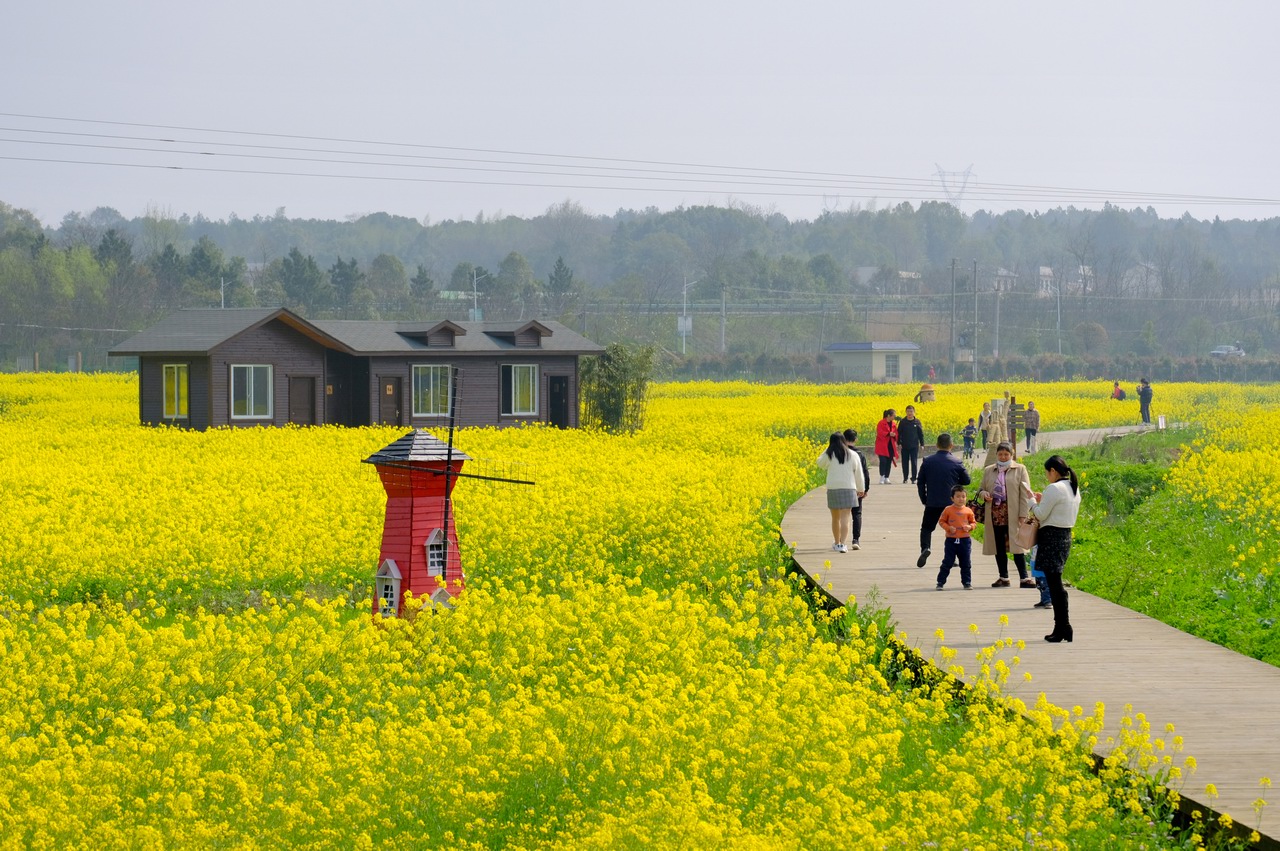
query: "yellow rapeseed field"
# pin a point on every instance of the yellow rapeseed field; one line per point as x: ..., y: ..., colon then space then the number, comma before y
x: 188, y: 657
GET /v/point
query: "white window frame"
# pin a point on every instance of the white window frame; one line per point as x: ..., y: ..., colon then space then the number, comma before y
x: 509, y: 400
x: 249, y: 391
x: 436, y: 370
x: 181, y: 405
x: 892, y: 366
x: 437, y: 550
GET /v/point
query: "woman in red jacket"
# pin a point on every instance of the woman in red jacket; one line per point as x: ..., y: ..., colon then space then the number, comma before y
x: 887, y: 444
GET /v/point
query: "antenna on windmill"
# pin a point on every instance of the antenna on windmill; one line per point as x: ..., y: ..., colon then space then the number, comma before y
x: 419, y: 550
x: 954, y: 183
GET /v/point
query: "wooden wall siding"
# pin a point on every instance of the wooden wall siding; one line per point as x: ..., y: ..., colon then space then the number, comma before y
x: 443, y: 337
x: 275, y: 343
x: 529, y: 338
x: 479, y: 403
x: 151, y: 391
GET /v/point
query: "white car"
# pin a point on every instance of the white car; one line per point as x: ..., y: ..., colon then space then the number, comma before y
x: 1227, y: 352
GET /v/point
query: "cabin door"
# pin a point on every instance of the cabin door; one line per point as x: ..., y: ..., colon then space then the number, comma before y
x: 558, y: 400
x: 389, y: 399
x: 302, y: 400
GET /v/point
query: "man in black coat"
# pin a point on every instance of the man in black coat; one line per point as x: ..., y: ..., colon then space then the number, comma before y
x: 910, y: 439
x: 1144, y: 400
x: 939, y: 473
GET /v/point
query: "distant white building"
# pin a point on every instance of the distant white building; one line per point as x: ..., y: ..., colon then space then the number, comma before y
x: 879, y: 361
x: 1004, y: 281
x: 1045, y: 287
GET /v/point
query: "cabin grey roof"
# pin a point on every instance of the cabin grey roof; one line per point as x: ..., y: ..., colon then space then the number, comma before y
x: 201, y: 331
x: 417, y: 445
x: 876, y: 346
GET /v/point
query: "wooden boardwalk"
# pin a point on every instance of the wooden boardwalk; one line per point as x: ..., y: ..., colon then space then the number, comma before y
x: 1225, y: 706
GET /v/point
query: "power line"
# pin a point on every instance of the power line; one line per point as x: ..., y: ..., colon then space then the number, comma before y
x: 721, y: 176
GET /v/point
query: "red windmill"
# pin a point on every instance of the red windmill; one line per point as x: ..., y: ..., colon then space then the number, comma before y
x: 419, y: 541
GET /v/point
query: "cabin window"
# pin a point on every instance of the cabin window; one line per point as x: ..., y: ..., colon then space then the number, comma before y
x: 175, y: 391
x: 431, y: 391
x: 519, y: 389
x: 250, y: 391
x: 891, y: 366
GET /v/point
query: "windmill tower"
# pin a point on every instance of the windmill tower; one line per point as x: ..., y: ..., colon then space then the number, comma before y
x: 420, y: 550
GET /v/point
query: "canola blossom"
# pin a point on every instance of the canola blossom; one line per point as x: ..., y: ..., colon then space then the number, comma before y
x: 189, y: 659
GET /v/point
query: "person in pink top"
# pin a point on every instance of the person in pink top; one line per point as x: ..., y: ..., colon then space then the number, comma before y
x: 957, y: 522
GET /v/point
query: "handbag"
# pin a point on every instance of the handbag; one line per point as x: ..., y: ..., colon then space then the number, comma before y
x: 1025, y: 537
x: 979, y: 510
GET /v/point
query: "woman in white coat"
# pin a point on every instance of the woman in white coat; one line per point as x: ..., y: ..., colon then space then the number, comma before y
x: 845, y: 486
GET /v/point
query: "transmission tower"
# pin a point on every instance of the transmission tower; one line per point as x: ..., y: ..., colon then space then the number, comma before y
x: 954, y: 183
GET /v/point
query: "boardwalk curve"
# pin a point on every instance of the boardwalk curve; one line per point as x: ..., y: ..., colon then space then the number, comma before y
x: 1225, y: 706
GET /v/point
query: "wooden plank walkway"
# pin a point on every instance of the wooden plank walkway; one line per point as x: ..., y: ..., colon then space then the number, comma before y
x: 1225, y: 706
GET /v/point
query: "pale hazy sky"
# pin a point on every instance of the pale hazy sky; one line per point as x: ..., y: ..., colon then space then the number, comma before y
x: 798, y: 107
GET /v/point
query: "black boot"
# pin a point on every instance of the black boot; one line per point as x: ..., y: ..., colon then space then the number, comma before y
x: 1059, y: 634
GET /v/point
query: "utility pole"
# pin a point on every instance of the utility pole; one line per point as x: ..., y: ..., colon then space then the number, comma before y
x: 476, y: 315
x: 952, y: 357
x: 222, y: 286
x: 995, y: 349
x: 685, y: 325
x: 973, y: 344
x: 724, y: 290
x: 1059, y: 315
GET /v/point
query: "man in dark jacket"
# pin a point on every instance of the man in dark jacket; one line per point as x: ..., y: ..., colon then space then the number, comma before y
x: 939, y: 473
x: 1144, y: 400
x: 910, y: 439
x: 850, y: 438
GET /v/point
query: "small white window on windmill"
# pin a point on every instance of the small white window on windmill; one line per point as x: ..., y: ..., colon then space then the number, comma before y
x: 387, y: 584
x: 437, y: 548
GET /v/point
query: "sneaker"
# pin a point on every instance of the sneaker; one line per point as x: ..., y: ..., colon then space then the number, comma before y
x: 836, y: 547
x: 968, y: 587
x: 840, y: 548
x: 939, y: 588
x: 1002, y: 582
x: 924, y: 557
x: 1048, y: 605
x: 1028, y: 583
x: 855, y: 546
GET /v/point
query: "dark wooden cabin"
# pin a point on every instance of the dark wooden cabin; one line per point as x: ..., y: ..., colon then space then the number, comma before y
x: 263, y: 366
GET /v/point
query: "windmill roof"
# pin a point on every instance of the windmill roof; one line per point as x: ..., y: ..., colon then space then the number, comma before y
x: 417, y: 445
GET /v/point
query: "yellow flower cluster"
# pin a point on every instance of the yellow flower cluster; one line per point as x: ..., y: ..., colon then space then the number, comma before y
x: 627, y: 666
x: 1231, y: 473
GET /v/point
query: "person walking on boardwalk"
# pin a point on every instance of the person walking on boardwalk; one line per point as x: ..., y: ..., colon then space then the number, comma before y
x: 910, y: 439
x: 1006, y: 488
x: 851, y: 440
x: 887, y: 444
x: 984, y: 422
x: 957, y: 521
x: 939, y: 473
x: 1056, y: 511
x: 1031, y: 422
x: 844, y: 483
x: 1144, y: 400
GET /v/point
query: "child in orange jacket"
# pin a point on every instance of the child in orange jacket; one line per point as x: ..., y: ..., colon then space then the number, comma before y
x: 957, y: 521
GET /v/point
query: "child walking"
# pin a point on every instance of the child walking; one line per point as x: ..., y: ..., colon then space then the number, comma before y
x: 957, y: 521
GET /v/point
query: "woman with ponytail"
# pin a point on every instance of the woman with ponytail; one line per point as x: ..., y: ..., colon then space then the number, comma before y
x: 1056, y: 510
x: 844, y: 486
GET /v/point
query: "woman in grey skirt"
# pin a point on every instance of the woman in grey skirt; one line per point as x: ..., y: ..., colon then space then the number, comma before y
x: 844, y: 483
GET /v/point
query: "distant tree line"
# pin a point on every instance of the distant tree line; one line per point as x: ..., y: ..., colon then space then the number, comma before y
x: 1064, y: 282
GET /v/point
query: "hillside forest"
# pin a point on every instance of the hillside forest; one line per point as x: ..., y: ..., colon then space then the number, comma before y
x: 1028, y: 290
